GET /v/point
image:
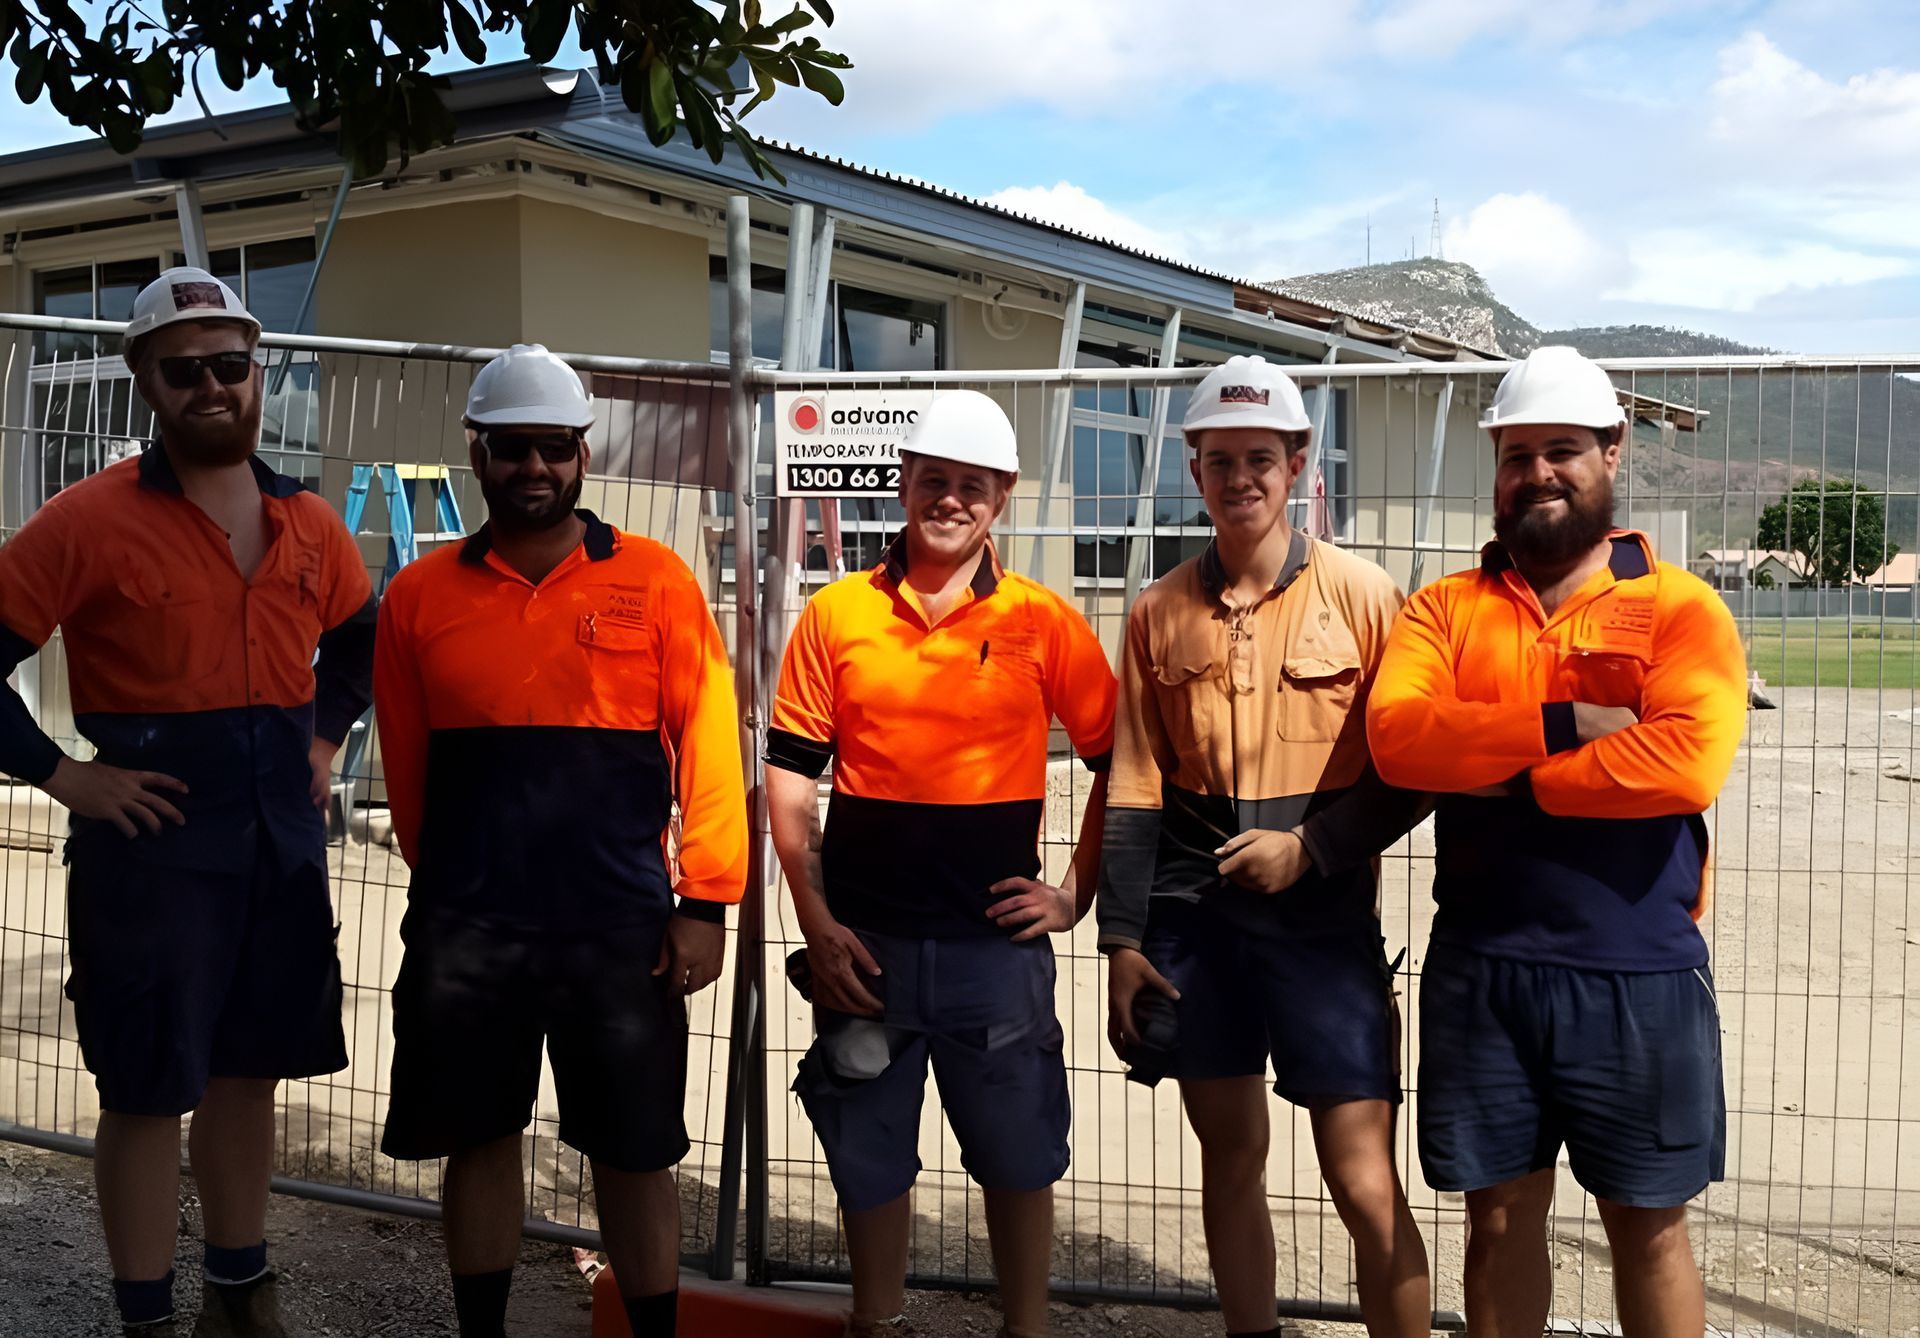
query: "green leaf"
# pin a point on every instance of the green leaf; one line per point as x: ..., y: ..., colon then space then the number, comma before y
x: 546, y: 26
x: 466, y: 31
x: 825, y: 11
x: 122, y: 131
x: 824, y: 82
x: 231, y: 65
x: 752, y: 12
x: 792, y: 23
x: 758, y: 161
x: 660, y: 95
x: 155, y: 77
x: 32, y: 76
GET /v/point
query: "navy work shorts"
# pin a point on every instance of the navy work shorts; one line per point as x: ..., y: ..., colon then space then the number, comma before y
x: 181, y: 975
x: 475, y: 1001
x: 981, y: 1009
x: 1623, y: 1068
x: 1320, y: 1006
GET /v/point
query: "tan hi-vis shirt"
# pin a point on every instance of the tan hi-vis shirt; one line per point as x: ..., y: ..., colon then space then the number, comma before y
x: 1233, y: 718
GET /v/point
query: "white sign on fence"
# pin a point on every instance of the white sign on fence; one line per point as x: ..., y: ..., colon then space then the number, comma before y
x: 841, y: 443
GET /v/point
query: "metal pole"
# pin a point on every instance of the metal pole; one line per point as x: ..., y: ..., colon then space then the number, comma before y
x: 745, y: 1119
x: 193, y: 226
x: 1139, y: 552
x: 1059, y: 426
x: 1436, y: 468
x: 313, y: 278
x: 1319, y: 434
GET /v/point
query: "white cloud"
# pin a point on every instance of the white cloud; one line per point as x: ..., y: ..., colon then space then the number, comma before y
x: 1072, y: 207
x: 1709, y: 271
x: 1795, y: 120
x: 1540, y: 259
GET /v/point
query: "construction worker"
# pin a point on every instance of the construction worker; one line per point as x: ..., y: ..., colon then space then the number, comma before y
x: 1578, y: 704
x: 548, y: 692
x: 192, y: 586
x: 1238, y: 876
x: 929, y: 682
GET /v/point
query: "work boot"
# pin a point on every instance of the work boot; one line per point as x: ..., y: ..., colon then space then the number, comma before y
x: 251, y: 1310
x: 164, y: 1329
x: 897, y: 1327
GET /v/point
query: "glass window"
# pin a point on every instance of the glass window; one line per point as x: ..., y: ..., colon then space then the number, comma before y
x: 769, y: 305
x: 883, y: 333
x: 68, y: 293
x: 276, y: 279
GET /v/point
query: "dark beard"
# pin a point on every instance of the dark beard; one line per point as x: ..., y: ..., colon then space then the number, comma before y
x: 514, y: 516
x: 1537, y: 541
x: 202, y: 446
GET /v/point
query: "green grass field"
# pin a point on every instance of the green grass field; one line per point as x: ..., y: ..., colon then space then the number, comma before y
x: 1804, y: 653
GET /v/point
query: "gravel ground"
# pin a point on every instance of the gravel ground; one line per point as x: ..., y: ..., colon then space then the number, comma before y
x: 347, y: 1273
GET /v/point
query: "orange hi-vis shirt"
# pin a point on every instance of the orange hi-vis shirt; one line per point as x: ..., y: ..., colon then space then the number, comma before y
x: 1241, y: 717
x: 179, y: 664
x: 536, y: 738
x: 937, y: 732
x: 1597, y: 857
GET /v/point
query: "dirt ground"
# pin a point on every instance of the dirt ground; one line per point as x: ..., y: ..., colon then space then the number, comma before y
x: 1815, y: 934
x: 348, y: 1274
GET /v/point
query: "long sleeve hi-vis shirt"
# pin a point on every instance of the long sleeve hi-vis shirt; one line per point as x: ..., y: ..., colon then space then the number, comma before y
x: 1597, y: 857
x: 937, y: 731
x: 1233, y: 719
x: 536, y: 738
x: 179, y: 664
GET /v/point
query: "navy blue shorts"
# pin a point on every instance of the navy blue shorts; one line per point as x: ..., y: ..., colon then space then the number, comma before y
x: 474, y: 1003
x: 180, y: 975
x: 1319, y: 1006
x: 981, y: 1009
x: 1623, y: 1068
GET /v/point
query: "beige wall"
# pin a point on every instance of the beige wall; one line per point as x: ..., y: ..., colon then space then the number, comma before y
x: 593, y: 284
x: 449, y: 274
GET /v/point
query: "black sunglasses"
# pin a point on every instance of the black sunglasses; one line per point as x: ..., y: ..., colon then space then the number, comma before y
x: 229, y: 369
x: 512, y: 448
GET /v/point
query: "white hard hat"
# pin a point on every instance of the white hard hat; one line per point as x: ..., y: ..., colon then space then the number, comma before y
x: 184, y: 293
x: 1246, y: 392
x: 1555, y: 385
x: 527, y: 384
x: 966, y: 427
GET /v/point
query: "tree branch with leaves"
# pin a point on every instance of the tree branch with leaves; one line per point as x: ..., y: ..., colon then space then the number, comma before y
x: 356, y: 69
x: 1838, y: 530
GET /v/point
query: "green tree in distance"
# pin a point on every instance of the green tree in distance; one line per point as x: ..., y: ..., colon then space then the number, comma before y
x: 1839, y: 530
x: 357, y: 68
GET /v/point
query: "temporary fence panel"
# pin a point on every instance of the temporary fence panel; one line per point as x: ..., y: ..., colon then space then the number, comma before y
x: 659, y: 468
x: 1812, y: 933
x: 1816, y: 1229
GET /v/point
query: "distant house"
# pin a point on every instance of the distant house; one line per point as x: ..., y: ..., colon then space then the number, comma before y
x: 1744, y: 568
x: 1902, y: 572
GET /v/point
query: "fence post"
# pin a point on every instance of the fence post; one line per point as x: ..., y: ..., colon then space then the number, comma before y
x: 745, y: 1120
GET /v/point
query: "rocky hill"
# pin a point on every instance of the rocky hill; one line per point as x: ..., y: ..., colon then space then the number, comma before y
x: 1761, y: 431
x: 1451, y: 299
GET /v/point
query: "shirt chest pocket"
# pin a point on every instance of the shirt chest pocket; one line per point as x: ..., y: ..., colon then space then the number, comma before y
x: 1191, y: 701
x: 623, y: 669
x: 1604, y: 676
x: 1319, y: 683
x: 168, y: 619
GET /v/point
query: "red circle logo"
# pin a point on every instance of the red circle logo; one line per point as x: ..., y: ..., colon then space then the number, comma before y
x: 805, y: 415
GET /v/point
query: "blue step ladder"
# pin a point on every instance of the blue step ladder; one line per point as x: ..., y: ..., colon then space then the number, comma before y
x: 399, y: 485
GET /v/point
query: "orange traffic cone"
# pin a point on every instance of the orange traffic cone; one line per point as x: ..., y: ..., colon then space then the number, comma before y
x: 727, y: 1310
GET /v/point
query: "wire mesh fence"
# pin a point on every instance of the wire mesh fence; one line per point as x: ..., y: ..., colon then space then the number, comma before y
x: 378, y: 434
x: 1816, y: 1230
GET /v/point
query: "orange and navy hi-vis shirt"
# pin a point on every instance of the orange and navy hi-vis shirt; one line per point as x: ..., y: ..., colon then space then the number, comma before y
x: 1597, y: 857
x: 937, y: 732
x: 179, y: 664
x: 1253, y: 716
x: 536, y: 738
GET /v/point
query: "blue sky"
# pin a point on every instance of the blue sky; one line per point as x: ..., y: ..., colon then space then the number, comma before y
x: 1745, y: 167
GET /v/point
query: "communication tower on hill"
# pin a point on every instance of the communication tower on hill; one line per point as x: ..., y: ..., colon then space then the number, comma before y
x: 1433, y: 238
